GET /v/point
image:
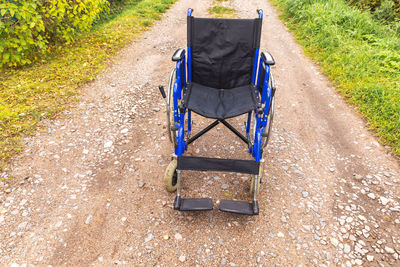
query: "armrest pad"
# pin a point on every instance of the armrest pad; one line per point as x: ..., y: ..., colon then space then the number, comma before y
x: 178, y: 54
x: 268, y: 59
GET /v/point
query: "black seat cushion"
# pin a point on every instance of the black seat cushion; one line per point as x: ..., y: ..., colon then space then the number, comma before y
x: 220, y: 103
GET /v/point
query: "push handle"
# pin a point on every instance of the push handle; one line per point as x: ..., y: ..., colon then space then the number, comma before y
x: 162, y: 91
x: 260, y: 13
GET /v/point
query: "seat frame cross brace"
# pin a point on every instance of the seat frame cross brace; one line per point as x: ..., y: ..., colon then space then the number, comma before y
x: 212, y: 125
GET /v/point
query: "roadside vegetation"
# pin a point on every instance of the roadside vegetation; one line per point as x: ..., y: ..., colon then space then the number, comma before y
x: 385, y: 11
x: 359, y: 53
x: 220, y: 9
x: 51, y: 82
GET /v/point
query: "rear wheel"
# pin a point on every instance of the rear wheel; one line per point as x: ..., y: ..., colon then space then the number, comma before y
x: 170, y: 108
x: 270, y: 119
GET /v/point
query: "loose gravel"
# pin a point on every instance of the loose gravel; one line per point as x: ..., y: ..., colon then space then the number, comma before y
x: 88, y: 188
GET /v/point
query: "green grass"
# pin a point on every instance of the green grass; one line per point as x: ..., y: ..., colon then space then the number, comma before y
x: 222, y: 12
x: 359, y: 54
x: 39, y: 91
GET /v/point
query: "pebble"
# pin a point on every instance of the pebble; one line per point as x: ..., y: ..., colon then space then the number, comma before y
x: 108, y: 144
x: 148, y: 238
x: 280, y: 234
x: 182, y: 258
x: 386, y: 174
x: 88, y: 219
x: 384, y: 200
x: 346, y: 248
x: 358, y: 262
x: 334, y: 241
x: 389, y: 250
x: 370, y: 258
x: 305, y: 194
x: 141, y: 184
x: 23, y: 202
x: 349, y: 219
x: 178, y: 236
x: 371, y: 195
x: 362, y: 218
x: 224, y: 186
x: 22, y: 225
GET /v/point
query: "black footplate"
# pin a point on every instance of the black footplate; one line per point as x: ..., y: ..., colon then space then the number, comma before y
x: 239, y: 207
x: 193, y: 204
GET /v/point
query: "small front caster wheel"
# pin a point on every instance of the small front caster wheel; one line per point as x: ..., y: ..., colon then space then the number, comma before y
x: 170, y: 176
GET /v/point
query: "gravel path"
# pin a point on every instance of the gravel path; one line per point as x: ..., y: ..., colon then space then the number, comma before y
x: 88, y: 190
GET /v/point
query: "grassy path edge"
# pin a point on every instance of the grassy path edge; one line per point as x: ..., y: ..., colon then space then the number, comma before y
x: 358, y: 54
x: 33, y: 93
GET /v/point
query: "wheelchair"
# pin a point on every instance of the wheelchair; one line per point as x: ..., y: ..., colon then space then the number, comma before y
x: 222, y: 75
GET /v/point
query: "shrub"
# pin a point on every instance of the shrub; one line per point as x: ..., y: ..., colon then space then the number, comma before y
x: 384, y: 10
x: 27, y: 27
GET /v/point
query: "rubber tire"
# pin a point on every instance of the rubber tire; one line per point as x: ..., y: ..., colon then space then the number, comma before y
x: 169, y: 176
x: 258, y: 181
x: 269, y: 124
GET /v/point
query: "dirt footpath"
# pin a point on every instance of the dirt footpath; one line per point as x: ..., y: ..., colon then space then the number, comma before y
x: 88, y: 190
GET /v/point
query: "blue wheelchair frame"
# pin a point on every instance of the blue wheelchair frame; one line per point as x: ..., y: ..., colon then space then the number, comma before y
x: 261, y: 119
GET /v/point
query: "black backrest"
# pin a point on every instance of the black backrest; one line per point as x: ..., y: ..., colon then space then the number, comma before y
x: 223, y: 50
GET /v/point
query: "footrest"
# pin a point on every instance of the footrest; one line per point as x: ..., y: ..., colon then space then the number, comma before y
x: 239, y: 207
x: 193, y: 204
x: 214, y: 164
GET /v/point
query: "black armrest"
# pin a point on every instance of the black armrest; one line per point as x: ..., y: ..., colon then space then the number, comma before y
x: 268, y: 59
x: 178, y: 54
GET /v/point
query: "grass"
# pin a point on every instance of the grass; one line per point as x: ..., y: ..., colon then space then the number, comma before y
x: 359, y: 54
x: 31, y: 94
x: 218, y: 11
